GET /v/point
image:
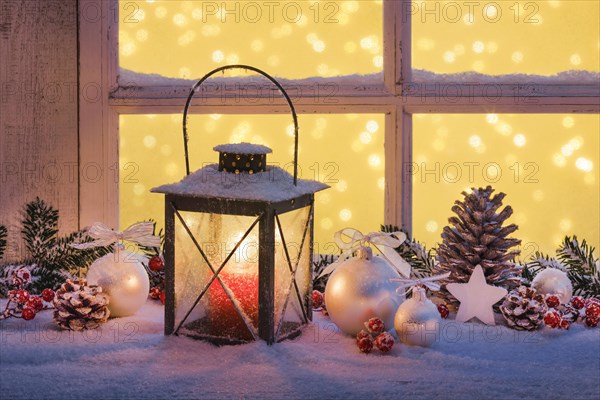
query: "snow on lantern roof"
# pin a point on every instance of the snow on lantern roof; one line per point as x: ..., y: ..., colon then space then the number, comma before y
x: 272, y: 185
x: 242, y: 148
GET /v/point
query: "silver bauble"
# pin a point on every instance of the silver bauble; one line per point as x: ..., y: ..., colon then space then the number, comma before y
x: 360, y: 289
x: 123, y: 278
x: 417, y: 320
x: 553, y: 281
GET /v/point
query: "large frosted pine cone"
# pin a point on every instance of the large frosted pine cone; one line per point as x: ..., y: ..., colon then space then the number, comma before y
x: 79, y: 306
x: 524, y: 309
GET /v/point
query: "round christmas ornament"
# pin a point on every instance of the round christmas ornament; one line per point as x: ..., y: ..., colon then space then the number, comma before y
x: 359, y: 287
x: 79, y: 306
x: 553, y: 281
x: 121, y: 274
x: 524, y: 309
x: 417, y: 320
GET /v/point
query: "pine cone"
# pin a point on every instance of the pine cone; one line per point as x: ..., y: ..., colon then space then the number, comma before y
x: 476, y: 237
x: 79, y: 306
x: 524, y: 309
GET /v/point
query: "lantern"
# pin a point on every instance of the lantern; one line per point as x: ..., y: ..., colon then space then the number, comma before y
x: 238, y: 244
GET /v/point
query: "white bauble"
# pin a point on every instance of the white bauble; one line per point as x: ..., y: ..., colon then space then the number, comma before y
x: 123, y: 278
x: 360, y: 289
x: 553, y: 281
x: 417, y: 320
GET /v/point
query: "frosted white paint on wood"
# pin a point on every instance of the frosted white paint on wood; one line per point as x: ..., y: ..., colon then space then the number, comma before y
x: 38, y: 112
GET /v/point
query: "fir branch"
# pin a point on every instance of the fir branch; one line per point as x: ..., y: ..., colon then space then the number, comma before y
x: 3, y: 235
x: 583, y: 267
x: 40, y: 226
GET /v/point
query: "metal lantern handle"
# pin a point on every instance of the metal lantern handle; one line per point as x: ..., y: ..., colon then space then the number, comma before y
x: 246, y: 67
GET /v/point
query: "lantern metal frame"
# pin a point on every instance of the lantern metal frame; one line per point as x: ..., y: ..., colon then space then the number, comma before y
x: 266, y: 215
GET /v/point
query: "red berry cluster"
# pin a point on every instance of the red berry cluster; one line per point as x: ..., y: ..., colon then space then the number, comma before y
x: 563, y: 315
x: 157, y: 294
x: 374, y: 336
x: 443, y: 310
x: 155, y: 270
x: 21, y: 304
x: 318, y: 300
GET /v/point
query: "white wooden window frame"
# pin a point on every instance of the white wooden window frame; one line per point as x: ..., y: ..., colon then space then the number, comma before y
x: 102, y: 100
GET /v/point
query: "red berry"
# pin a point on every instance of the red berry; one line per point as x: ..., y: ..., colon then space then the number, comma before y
x: 443, y: 310
x: 553, y: 301
x: 48, y: 294
x: 592, y: 322
x: 28, y: 313
x: 155, y: 293
x: 362, y: 334
x: 162, y: 297
x: 578, y: 302
x: 35, y: 303
x: 384, y: 342
x: 22, y: 296
x: 156, y: 264
x: 592, y: 309
x: 552, y: 319
x: 564, y: 324
x: 365, y: 344
x: 317, y: 299
x: 375, y: 325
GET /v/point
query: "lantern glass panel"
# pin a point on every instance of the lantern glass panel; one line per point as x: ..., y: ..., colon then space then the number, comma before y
x: 291, y: 291
x: 231, y: 302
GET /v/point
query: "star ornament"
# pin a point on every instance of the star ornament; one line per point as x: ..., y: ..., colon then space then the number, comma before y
x: 476, y: 298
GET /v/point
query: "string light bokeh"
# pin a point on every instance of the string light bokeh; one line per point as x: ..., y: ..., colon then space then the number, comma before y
x: 186, y: 39
x: 547, y: 164
x: 295, y: 39
x: 151, y: 154
x: 506, y: 37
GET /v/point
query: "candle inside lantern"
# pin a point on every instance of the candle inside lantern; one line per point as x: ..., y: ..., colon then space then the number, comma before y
x: 241, y: 278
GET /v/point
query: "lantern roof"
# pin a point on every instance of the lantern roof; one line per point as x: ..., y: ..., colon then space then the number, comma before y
x: 243, y: 148
x: 272, y: 185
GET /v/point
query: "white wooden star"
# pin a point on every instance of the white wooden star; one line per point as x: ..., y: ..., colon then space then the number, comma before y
x: 476, y: 298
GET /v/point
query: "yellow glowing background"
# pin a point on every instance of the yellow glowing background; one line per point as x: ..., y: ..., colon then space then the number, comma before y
x: 549, y: 163
x: 506, y: 37
x: 151, y: 153
x: 546, y: 164
x: 293, y: 39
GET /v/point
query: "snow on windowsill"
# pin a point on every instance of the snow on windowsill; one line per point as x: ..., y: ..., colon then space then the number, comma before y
x: 573, y: 77
x: 131, y: 78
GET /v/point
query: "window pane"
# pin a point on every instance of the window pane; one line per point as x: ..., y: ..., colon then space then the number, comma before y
x: 506, y: 37
x: 546, y: 164
x: 344, y: 151
x: 293, y: 39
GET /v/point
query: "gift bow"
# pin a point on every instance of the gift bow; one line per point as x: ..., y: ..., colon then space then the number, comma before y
x: 141, y: 233
x: 386, y: 243
x: 429, y: 282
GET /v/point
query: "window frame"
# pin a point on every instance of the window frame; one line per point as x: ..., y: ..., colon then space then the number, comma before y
x: 102, y: 101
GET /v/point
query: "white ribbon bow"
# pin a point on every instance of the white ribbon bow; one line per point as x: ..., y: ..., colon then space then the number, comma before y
x: 386, y: 243
x: 141, y: 233
x: 429, y: 282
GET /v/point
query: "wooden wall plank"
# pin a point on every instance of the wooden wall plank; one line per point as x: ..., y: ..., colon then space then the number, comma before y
x: 38, y: 112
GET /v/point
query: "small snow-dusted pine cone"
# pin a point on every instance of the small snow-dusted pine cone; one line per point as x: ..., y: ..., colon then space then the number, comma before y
x: 524, y: 309
x: 79, y: 306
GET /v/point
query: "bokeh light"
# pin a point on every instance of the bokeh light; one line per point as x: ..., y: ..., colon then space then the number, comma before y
x: 547, y: 170
x: 153, y: 147
x: 506, y: 37
x: 291, y: 39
